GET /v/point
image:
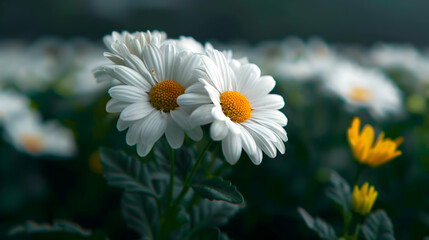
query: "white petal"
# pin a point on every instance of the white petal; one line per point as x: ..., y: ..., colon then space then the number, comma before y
x: 101, y: 75
x: 133, y: 133
x: 184, y: 71
x: 153, y: 127
x: 210, y: 73
x: 249, y: 144
x: 152, y: 57
x: 121, y: 49
x: 231, y: 148
x: 126, y: 93
x: 122, y: 125
x: 280, y: 145
x: 272, y: 115
x: 219, y: 115
x: 262, y: 87
x: 170, y: 61
x: 195, y: 133
x: 260, y: 129
x: 196, y: 88
x: 137, y: 64
x: 228, y: 81
x: 218, y: 130
x: 114, y: 58
x: 257, y: 157
x: 202, y: 115
x: 127, y: 76
x: 275, y: 127
x: 213, y: 93
x: 192, y: 99
x: 143, y: 149
x: 182, y: 118
x: 233, y: 127
x: 174, y: 134
x: 136, y: 111
x: 114, y: 106
x: 270, y: 101
x: 247, y: 77
x: 265, y: 144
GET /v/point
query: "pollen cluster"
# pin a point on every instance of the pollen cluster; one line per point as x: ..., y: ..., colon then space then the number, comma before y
x: 163, y: 96
x: 235, y: 106
x: 360, y: 95
x: 32, y: 142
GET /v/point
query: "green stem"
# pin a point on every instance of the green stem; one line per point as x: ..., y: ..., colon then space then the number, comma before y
x: 188, y: 180
x: 170, y: 190
x: 356, y: 234
x: 359, y: 174
x: 347, y: 219
x: 212, y: 161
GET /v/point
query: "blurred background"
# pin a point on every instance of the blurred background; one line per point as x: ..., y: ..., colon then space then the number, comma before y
x: 48, y: 49
x: 253, y: 21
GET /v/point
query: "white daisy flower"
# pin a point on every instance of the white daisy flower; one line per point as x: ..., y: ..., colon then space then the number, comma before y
x: 365, y: 88
x: 147, y: 100
x: 12, y: 103
x: 28, y: 134
x: 235, y: 98
x: 125, y: 43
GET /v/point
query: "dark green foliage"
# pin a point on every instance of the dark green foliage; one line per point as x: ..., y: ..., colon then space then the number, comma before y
x: 218, y: 189
x: 378, y: 226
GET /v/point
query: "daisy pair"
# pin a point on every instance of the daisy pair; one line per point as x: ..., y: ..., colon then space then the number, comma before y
x: 169, y: 90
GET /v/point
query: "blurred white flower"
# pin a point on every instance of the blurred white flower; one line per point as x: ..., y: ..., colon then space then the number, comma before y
x: 28, y: 134
x: 364, y: 88
x: 80, y: 82
x: 147, y: 98
x: 41, y: 63
x: 394, y: 56
x: 305, y: 61
x: 12, y: 54
x: 12, y: 103
x: 235, y: 98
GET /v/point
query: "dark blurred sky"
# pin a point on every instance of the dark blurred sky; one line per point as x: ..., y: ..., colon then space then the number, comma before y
x: 348, y: 21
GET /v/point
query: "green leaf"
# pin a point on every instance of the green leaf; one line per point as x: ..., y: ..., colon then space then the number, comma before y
x: 377, y: 226
x: 218, y: 189
x: 126, y: 172
x: 339, y: 192
x: 140, y: 214
x: 60, y: 229
x: 323, y: 229
x: 213, y: 213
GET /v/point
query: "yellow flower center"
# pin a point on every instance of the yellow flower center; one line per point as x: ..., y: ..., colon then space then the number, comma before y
x: 361, y: 95
x: 235, y: 106
x: 32, y: 142
x: 163, y: 96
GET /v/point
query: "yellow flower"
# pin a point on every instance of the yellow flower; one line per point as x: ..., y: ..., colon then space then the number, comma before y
x: 363, y: 149
x: 363, y: 199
